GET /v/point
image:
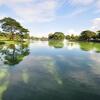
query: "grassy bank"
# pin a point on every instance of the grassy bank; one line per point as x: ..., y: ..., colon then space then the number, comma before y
x: 12, y: 42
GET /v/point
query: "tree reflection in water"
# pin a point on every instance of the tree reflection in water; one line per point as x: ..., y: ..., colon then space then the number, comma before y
x: 85, y: 46
x: 89, y: 46
x: 58, y: 76
x: 56, y: 44
x: 13, y: 54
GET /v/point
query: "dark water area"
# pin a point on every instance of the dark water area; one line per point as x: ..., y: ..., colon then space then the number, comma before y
x: 51, y: 70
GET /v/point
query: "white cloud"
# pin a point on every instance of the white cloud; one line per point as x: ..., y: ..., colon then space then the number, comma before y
x: 81, y: 2
x: 96, y: 24
x: 41, y: 10
x: 76, y: 13
x: 33, y: 11
x: 37, y: 10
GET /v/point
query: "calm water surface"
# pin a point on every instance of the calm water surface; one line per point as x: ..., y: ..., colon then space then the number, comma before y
x: 50, y: 71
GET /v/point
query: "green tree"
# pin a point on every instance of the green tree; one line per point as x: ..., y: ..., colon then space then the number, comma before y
x: 23, y: 33
x: 72, y: 37
x: 57, y: 36
x: 68, y: 37
x: 26, y: 36
x: 87, y: 35
x: 98, y: 34
x: 12, y: 27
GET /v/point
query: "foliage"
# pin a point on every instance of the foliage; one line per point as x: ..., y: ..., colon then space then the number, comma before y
x: 43, y: 38
x: 87, y: 35
x: 98, y: 34
x: 26, y: 36
x: 68, y: 37
x: 1, y: 43
x: 72, y: 37
x: 57, y: 36
x: 12, y: 28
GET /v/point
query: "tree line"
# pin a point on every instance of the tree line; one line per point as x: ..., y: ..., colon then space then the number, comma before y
x: 13, y: 30
x: 86, y: 35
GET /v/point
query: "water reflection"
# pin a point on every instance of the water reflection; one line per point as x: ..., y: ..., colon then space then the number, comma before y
x: 90, y: 46
x: 72, y: 45
x: 56, y: 44
x: 84, y: 46
x: 13, y: 54
x: 55, y: 74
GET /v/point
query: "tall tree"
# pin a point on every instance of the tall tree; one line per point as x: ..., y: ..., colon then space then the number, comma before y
x: 12, y: 26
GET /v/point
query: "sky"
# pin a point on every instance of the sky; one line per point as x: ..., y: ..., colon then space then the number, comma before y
x: 42, y: 17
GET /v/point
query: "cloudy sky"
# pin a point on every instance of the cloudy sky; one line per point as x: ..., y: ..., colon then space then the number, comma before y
x: 46, y: 16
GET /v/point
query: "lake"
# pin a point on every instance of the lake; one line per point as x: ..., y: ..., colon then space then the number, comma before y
x: 53, y: 70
